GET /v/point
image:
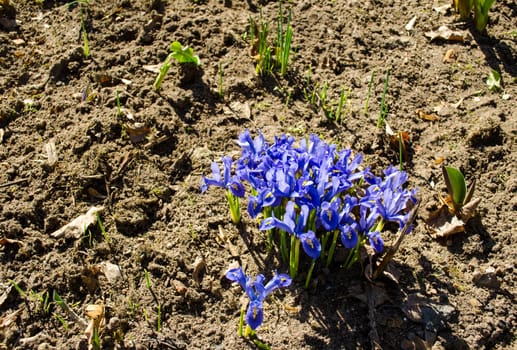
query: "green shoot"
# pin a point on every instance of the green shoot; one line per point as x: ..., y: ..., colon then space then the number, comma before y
x: 62, y: 321
x: 323, y: 96
x: 147, y: 279
x: 103, y: 230
x: 221, y: 80
x: 493, y: 81
x: 158, y: 307
x: 383, y: 112
x: 342, y: 101
x: 86, y: 49
x: 365, y: 110
x: 241, y: 324
x: 463, y: 7
x: 235, y: 211
x: 182, y: 54
x: 456, y: 186
x: 283, y: 41
x: 18, y: 289
x: 481, y: 8
x: 264, y: 65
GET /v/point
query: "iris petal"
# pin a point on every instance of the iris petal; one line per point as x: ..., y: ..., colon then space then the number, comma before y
x: 310, y: 244
x: 255, y: 314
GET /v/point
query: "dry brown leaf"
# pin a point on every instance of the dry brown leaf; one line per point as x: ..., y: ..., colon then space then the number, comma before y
x: 198, y: 266
x: 96, y: 315
x: 4, y: 241
x: 439, y: 160
x: 137, y: 132
x: 77, y: 226
x: 442, y: 223
x: 428, y: 117
x: 450, y: 56
x: 92, y: 192
x: 50, y: 149
x: 444, y: 33
x: 8, y: 319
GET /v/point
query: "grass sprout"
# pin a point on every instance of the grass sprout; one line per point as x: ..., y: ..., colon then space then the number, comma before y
x: 283, y: 40
x: 221, y: 74
x: 365, y: 110
x: 343, y: 98
x: 86, y: 49
x: 384, y: 108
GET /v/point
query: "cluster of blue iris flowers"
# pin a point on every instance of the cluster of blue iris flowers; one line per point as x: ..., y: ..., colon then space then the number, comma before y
x: 313, y: 193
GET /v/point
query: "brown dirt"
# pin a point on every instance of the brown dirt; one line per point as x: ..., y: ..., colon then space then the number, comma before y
x: 157, y: 220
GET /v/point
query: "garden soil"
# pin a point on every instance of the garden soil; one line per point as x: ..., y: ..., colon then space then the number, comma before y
x: 85, y: 140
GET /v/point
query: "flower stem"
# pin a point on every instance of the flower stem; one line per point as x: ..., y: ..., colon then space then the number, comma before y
x: 309, y: 274
x: 283, y: 245
x: 332, y: 248
x: 235, y: 211
x: 294, y: 257
x: 241, y: 324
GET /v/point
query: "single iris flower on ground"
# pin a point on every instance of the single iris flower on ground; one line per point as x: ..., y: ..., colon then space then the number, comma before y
x: 257, y: 292
x: 227, y: 181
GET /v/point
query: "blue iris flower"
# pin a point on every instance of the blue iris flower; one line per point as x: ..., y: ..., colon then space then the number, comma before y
x: 392, y: 205
x: 329, y: 214
x: 311, y: 245
x: 257, y: 292
x: 349, y: 236
x: 226, y: 181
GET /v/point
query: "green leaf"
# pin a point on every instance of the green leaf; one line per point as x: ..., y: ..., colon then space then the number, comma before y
x: 481, y: 8
x: 493, y: 81
x: 183, y: 54
x: 456, y: 185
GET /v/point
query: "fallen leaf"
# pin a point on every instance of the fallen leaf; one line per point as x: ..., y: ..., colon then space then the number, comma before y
x: 155, y: 68
x: 411, y: 24
x: 423, y: 310
x: 92, y: 192
x: 50, y: 148
x: 198, y: 266
x: 439, y: 160
x: 395, y: 142
x: 179, y: 286
x: 428, y: 117
x: 444, y: 33
x: 77, y: 226
x: 96, y: 315
x: 18, y: 42
x: 137, y: 132
x: 4, y: 241
x: 104, y: 79
x: 450, y: 56
x: 8, y: 319
x: 442, y: 223
x: 442, y: 9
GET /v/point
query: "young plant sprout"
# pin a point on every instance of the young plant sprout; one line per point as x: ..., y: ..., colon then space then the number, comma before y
x: 314, y: 194
x: 459, y: 196
x: 384, y: 108
x: 257, y: 292
x: 481, y: 9
x: 182, y: 54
